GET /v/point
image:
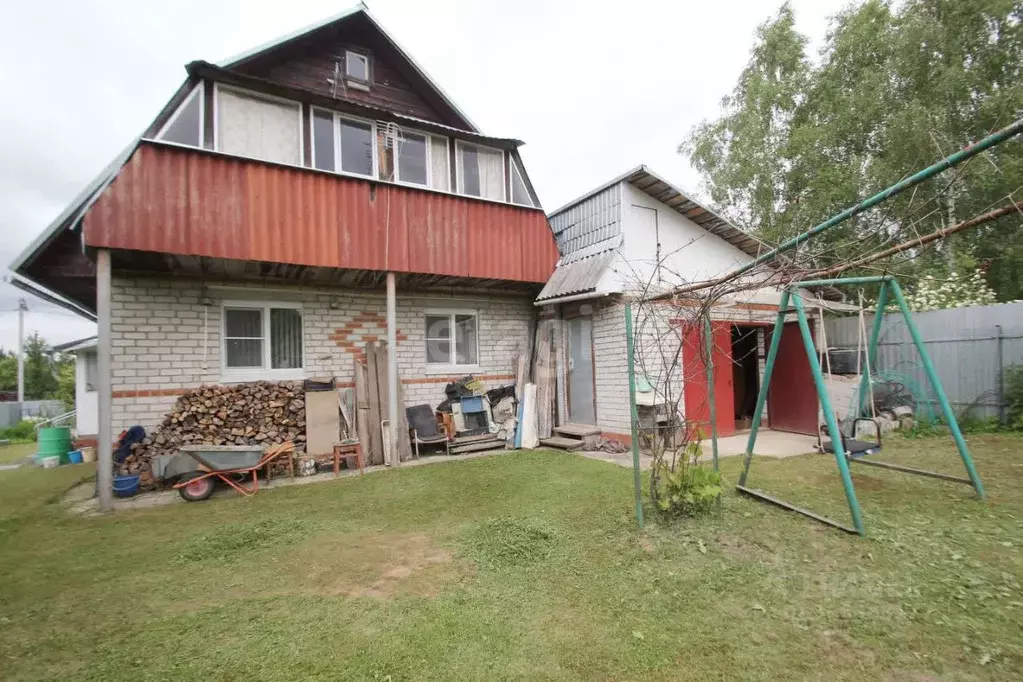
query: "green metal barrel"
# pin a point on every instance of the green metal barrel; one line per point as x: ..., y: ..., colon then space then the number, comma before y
x: 54, y: 441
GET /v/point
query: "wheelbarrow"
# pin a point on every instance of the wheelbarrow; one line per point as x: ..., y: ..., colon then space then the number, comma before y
x: 230, y: 464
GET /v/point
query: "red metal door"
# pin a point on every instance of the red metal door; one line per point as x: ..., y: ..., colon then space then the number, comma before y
x: 694, y: 373
x: 792, y: 397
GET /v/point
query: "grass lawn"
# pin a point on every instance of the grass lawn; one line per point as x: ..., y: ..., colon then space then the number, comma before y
x: 11, y: 453
x: 526, y: 566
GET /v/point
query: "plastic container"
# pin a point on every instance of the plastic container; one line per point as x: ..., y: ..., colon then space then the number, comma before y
x: 88, y: 454
x: 54, y: 441
x: 75, y: 457
x: 126, y: 486
x: 50, y: 461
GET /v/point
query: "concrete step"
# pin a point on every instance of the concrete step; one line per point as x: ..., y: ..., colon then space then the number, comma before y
x: 577, y: 430
x: 561, y: 443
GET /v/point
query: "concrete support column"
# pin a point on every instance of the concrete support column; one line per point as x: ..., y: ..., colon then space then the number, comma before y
x: 104, y: 393
x: 392, y: 371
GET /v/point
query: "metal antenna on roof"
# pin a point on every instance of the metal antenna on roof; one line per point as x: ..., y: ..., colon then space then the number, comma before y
x: 337, y: 79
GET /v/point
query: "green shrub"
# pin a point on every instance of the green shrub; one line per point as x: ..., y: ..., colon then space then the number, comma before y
x: 1014, y: 396
x: 24, y: 430
x: 684, y: 488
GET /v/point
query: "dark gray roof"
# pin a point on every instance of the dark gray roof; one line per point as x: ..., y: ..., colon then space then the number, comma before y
x: 580, y: 271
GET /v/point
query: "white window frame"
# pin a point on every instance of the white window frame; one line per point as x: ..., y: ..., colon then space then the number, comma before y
x: 451, y: 366
x: 217, y: 87
x: 516, y: 171
x: 459, y: 189
x: 365, y: 58
x: 240, y: 374
x: 429, y: 161
x: 338, y: 117
x: 200, y: 88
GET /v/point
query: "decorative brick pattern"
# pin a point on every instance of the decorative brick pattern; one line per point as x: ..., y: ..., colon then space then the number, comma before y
x: 164, y: 340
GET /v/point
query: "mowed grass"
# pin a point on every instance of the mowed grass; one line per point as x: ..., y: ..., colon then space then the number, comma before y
x: 16, y: 451
x: 523, y: 566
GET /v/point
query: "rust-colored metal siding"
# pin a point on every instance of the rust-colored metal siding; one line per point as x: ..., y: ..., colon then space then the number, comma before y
x: 191, y: 202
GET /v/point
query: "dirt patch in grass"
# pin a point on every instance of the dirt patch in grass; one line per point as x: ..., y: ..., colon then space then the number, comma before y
x: 379, y: 565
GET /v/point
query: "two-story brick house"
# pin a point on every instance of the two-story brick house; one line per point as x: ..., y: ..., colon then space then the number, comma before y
x: 249, y: 232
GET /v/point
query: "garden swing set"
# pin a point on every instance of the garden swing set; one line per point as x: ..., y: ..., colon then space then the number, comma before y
x: 845, y: 451
x: 888, y: 287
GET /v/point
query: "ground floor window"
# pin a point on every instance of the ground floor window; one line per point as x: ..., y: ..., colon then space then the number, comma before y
x: 264, y: 337
x: 452, y: 338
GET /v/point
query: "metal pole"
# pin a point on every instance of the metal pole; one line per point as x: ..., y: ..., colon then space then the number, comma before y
x: 393, y: 457
x: 630, y: 349
x: 22, y: 307
x: 932, y: 374
x: 829, y: 417
x: 708, y: 339
x: 871, y: 349
x: 104, y: 393
x: 1000, y: 373
x: 772, y: 354
x: 962, y: 155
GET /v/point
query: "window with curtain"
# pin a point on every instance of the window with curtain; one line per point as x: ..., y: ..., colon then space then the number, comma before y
x: 452, y: 338
x: 259, y: 128
x: 262, y: 337
x: 185, y: 125
x: 480, y: 171
x: 440, y: 177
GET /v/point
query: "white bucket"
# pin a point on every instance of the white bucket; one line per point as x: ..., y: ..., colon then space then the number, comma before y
x: 51, y: 462
x: 89, y: 454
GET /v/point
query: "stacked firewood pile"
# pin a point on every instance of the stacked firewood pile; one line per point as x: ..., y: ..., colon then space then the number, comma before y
x: 262, y: 413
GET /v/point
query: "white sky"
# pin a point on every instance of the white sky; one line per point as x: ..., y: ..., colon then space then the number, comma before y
x: 593, y: 88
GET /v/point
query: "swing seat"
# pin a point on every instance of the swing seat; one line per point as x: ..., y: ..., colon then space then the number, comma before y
x: 853, y: 447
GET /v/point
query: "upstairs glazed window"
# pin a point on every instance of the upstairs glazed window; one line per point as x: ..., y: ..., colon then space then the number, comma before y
x: 356, y: 65
x: 185, y: 125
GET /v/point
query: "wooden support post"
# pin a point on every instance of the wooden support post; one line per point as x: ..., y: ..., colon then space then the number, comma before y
x: 104, y: 393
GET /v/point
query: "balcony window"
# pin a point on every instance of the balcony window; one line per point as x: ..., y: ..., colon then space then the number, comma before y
x: 258, y: 126
x: 186, y: 123
x: 480, y: 171
x: 413, y: 154
x: 519, y: 192
x: 356, y: 147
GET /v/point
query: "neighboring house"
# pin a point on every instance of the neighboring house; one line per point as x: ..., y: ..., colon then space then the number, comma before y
x: 639, y: 235
x: 251, y: 228
x: 86, y: 408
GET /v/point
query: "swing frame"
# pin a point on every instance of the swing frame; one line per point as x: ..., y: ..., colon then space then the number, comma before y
x: 889, y: 286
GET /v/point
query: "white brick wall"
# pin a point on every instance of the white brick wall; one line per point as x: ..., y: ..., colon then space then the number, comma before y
x: 165, y: 341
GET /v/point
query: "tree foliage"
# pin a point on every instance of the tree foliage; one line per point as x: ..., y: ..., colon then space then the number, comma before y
x: 48, y: 375
x: 895, y: 87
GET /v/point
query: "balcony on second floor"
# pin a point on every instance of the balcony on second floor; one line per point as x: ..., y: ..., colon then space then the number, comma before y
x: 169, y: 199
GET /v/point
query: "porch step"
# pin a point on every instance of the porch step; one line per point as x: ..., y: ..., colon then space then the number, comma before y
x: 577, y: 430
x: 587, y: 433
x: 561, y: 443
x: 475, y: 444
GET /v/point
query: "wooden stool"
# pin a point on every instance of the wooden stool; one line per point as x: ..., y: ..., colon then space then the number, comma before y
x: 348, y: 450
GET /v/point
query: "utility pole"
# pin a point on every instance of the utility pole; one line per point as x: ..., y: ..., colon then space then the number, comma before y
x: 22, y: 307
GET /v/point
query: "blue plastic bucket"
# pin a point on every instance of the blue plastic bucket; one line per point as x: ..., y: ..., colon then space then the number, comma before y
x: 126, y: 486
x: 75, y: 457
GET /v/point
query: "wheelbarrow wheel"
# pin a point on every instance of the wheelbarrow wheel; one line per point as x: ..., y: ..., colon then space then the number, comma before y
x: 197, y: 488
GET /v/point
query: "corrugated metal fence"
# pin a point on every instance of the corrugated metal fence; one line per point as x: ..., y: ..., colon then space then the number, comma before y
x: 971, y: 348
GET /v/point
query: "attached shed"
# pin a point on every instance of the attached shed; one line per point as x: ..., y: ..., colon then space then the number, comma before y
x: 639, y: 235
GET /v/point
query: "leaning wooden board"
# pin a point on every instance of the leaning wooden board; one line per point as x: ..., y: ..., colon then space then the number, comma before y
x: 322, y: 422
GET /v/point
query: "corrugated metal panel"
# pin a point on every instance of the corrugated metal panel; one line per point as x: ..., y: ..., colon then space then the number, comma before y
x: 200, y: 203
x: 578, y: 277
x: 962, y: 342
x: 592, y: 220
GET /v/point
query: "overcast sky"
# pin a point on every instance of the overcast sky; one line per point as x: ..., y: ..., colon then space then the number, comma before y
x: 593, y: 88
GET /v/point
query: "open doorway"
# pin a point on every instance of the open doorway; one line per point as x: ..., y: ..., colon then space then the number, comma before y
x: 745, y: 375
